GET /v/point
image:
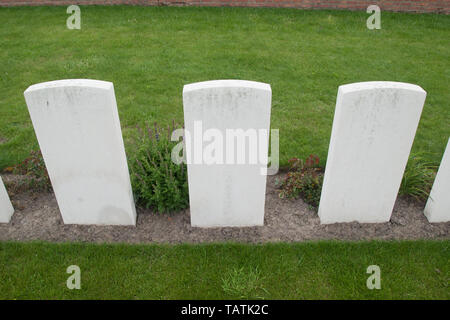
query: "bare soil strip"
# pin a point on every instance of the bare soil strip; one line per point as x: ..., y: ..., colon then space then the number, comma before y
x: 37, y: 217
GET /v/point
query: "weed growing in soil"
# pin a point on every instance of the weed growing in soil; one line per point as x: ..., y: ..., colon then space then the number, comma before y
x: 157, y: 182
x: 34, y: 169
x: 418, y: 178
x: 304, y: 179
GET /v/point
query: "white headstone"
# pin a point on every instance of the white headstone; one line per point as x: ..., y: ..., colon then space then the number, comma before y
x: 373, y: 131
x: 78, y: 129
x: 230, y: 192
x: 6, y: 208
x: 437, y: 208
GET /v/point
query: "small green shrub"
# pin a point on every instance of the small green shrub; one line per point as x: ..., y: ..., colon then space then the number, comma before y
x: 418, y: 178
x: 304, y: 179
x: 34, y: 169
x: 157, y: 182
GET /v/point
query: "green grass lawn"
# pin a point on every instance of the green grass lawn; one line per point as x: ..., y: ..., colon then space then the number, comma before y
x: 149, y: 53
x: 321, y: 270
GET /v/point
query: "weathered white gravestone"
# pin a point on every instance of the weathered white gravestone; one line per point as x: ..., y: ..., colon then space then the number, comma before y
x: 373, y: 131
x: 6, y: 208
x: 437, y: 208
x: 226, y: 186
x: 78, y: 129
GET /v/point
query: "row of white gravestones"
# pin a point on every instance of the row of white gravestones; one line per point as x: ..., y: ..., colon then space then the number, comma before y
x: 372, y: 135
x: 78, y: 129
x: 437, y: 208
x: 6, y: 208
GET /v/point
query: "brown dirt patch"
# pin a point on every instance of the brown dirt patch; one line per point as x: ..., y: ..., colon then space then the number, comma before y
x: 37, y: 217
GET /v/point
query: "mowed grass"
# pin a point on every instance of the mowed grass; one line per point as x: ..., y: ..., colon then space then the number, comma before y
x: 149, y: 53
x: 320, y: 270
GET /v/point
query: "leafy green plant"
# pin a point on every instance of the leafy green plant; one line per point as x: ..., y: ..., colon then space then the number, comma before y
x: 35, y: 171
x: 243, y: 284
x: 158, y: 182
x: 418, y: 177
x: 304, y: 179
